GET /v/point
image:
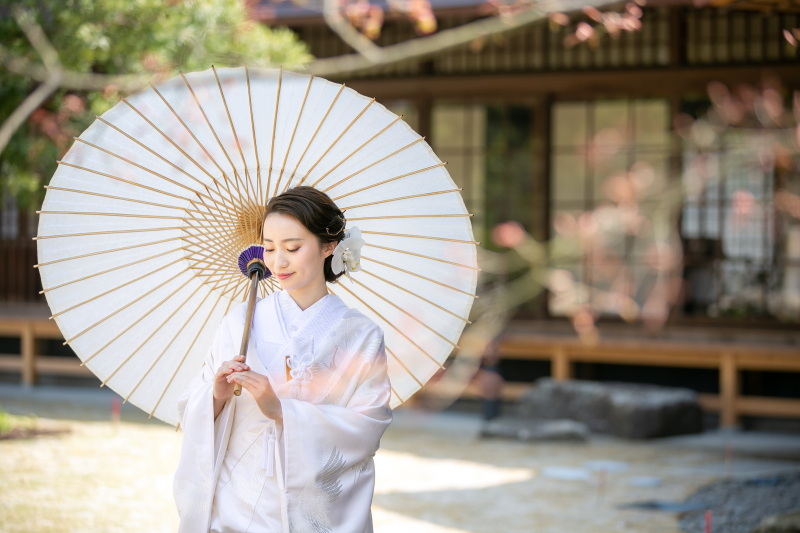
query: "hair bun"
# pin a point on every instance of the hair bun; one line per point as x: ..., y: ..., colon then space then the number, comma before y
x: 344, y: 224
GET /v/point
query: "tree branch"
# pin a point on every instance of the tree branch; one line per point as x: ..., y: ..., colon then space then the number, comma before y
x: 76, y: 81
x: 444, y: 40
x: 36, y: 37
x: 357, y: 41
x: 24, y: 110
x: 51, y: 76
x: 69, y: 80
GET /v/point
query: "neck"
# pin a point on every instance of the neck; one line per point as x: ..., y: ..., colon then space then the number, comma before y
x: 307, y: 296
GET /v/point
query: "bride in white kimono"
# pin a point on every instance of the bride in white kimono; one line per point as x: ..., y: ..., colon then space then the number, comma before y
x: 293, y: 453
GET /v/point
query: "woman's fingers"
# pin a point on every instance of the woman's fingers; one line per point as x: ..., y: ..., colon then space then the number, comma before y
x: 228, y: 367
x: 246, y: 377
x: 246, y: 381
x: 260, y: 387
x: 242, y: 377
x: 252, y: 380
x: 235, y: 363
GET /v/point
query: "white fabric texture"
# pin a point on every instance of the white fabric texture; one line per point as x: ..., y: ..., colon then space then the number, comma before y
x: 321, y: 478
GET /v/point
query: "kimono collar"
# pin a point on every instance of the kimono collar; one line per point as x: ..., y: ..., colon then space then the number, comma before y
x: 294, y: 318
x: 270, y: 327
x: 317, y: 321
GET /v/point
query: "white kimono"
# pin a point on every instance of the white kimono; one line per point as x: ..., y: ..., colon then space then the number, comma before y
x: 314, y: 473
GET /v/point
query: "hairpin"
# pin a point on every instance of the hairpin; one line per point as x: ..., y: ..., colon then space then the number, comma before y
x: 344, y: 223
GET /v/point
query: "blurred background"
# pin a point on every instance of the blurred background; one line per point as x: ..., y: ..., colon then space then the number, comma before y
x: 634, y: 174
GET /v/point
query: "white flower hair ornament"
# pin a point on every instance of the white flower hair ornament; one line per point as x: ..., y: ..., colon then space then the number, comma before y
x: 347, y: 254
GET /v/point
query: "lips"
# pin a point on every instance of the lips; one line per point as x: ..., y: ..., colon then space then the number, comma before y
x: 283, y: 276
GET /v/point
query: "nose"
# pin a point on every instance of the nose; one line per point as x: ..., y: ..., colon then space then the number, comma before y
x: 281, y: 259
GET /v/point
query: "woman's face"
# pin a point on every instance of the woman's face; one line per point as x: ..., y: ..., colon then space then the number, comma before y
x: 293, y: 254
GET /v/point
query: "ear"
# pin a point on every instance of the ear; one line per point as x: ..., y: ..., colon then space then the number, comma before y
x: 328, y: 248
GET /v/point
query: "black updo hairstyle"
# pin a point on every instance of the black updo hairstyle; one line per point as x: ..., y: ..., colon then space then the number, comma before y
x: 317, y: 212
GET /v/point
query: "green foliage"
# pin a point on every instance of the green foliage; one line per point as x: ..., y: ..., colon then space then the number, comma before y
x: 10, y: 422
x: 120, y: 37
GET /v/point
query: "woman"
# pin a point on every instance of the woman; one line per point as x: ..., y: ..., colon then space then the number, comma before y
x: 294, y: 452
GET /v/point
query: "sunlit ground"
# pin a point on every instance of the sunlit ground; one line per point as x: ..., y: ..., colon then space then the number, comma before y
x: 433, y: 476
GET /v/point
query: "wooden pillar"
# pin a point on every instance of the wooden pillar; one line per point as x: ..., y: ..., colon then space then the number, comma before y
x: 542, y: 184
x: 424, y: 111
x: 542, y: 146
x: 728, y: 390
x: 28, y: 355
x: 559, y: 365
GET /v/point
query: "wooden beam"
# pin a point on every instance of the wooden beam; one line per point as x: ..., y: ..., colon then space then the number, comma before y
x: 748, y: 353
x: 645, y: 358
x: 762, y: 406
x: 640, y: 82
x: 10, y: 363
x: 42, y: 328
x: 709, y: 402
x: 745, y: 405
x: 754, y: 405
x: 61, y: 366
x: 773, y: 362
x: 46, y: 364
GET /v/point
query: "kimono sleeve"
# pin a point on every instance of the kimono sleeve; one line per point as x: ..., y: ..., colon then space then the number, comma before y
x: 203, y: 439
x: 329, y: 447
x: 197, y: 400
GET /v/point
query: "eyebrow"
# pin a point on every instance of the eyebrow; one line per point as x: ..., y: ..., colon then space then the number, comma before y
x: 285, y: 240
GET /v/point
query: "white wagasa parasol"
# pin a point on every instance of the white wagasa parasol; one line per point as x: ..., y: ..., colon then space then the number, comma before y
x: 144, y: 220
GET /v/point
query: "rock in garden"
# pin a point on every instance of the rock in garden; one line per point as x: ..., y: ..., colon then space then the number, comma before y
x: 622, y: 409
x: 787, y: 523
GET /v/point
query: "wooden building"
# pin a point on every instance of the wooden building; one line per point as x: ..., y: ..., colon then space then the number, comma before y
x: 510, y: 114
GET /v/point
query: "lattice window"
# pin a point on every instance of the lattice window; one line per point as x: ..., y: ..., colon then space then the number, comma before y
x: 592, y: 143
x: 741, y: 254
x: 458, y: 135
x: 728, y: 37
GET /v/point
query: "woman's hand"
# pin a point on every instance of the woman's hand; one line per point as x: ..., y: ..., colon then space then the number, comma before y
x: 223, y: 389
x: 261, y: 389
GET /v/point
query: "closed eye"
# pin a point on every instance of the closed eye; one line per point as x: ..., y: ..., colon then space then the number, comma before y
x: 270, y: 251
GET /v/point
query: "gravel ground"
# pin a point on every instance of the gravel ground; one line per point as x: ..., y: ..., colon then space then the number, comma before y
x: 434, y: 475
x: 738, y: 506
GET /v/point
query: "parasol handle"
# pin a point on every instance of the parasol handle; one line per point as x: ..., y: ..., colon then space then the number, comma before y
x: 251, y: 304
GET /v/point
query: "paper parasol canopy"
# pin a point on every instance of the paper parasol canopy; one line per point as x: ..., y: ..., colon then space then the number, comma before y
x: 143, y: 221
